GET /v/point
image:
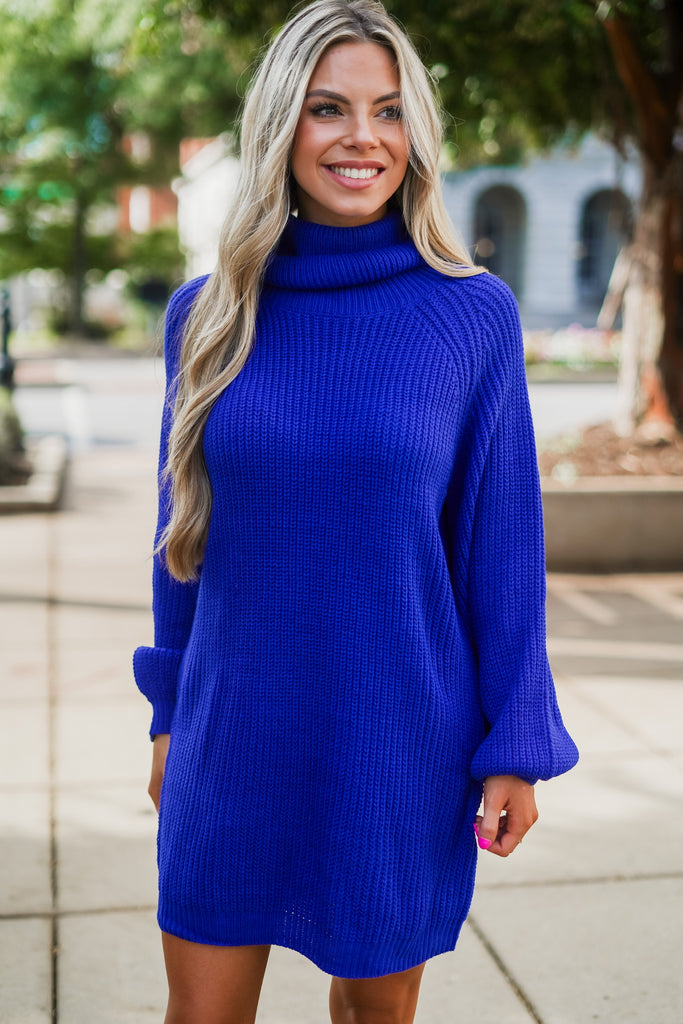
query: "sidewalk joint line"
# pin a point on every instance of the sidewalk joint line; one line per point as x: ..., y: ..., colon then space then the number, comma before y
x: 660, y: 876
x: 48, y: 915
x: 146, y: 908
x: 90, y: 604
x: 505, y: 971
x: 618, y: 582
x: 613, y: 650
x: 51, y: 667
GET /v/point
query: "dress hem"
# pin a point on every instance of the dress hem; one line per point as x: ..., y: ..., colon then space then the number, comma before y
x: 344, y: 958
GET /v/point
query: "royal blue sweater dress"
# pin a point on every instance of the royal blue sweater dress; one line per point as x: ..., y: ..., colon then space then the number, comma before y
x: 366, y: 640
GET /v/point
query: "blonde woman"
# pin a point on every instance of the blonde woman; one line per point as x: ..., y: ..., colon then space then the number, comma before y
x: 349, y: 573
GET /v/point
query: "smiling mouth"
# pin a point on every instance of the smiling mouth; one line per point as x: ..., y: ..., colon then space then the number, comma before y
x: 356, y: 172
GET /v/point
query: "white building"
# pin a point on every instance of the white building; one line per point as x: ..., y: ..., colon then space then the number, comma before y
x: 550, y: 227
x: 204, y: 191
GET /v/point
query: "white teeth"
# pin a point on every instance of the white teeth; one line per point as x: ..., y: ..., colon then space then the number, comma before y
x: 356, y: 172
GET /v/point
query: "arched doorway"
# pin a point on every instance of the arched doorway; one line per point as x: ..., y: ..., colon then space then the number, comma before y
x: 500, y: 233
x: 606, y: 225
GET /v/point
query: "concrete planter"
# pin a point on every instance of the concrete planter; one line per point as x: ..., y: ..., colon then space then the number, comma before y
x: 614, y: 524
x: 44, y: 489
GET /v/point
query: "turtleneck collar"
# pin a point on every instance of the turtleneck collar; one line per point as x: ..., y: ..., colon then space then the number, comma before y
x: 304, y: 238
x: 315, y: 256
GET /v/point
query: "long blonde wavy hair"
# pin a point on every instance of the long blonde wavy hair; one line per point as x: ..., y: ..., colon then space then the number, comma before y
x: 220, y: 329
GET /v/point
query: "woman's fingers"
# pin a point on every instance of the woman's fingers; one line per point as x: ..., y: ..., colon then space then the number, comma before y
x: 509, y: 812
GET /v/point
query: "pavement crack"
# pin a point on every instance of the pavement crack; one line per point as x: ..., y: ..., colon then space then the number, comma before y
x: 523, y: 997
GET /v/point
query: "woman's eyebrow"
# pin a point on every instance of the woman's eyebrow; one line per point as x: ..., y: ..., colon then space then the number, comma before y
x: 342, y: 99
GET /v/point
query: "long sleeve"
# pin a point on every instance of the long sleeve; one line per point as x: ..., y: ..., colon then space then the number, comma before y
x: 173, y: 603
x: 495, y: 518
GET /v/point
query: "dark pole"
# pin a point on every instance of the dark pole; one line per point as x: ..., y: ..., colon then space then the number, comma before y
x: 6, y: 361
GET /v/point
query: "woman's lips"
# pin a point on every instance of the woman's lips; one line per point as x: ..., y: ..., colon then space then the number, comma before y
x: 354, y: 177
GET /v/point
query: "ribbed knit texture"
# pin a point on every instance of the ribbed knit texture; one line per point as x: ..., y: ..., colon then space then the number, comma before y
x: 366, y: 642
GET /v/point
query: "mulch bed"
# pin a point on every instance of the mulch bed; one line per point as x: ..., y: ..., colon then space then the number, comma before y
x: 655, y: 449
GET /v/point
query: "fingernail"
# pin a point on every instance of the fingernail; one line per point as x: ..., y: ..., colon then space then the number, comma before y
x: 484, y: 843
x: 476, y: 828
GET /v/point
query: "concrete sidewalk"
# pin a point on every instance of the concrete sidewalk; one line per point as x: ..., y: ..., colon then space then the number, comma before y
x: 584, y: 923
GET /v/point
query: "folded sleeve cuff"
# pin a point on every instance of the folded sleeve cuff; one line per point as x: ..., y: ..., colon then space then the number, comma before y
x: 156, y: 675
x: 512, y: 748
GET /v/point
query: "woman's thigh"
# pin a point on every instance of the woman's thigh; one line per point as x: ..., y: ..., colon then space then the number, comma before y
x: 212, y: 984
x: 391, y: 999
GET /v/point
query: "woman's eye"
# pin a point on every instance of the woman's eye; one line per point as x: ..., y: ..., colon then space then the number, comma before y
x: 325, y: 110
x: 391, y: 113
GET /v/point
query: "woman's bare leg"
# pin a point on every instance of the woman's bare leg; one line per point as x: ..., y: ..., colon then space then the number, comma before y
x: 212, y: 984
x: 391, y: 999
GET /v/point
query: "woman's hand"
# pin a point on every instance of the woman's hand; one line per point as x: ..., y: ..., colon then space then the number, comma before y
x: 509, y: 813
x: 159, y: 753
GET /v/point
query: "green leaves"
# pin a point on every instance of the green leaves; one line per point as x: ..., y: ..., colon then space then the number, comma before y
x: 78, y: 78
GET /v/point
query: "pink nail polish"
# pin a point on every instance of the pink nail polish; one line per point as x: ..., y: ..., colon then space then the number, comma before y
x: 484, y: 843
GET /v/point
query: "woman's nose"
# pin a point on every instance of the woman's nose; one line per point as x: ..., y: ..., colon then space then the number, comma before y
x: 361, y: 133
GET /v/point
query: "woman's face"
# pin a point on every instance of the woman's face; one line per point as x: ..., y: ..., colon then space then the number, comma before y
x: 350, y: 152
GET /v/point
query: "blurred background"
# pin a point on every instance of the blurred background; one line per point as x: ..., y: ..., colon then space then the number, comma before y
x: 563, y: 172
x: 118, y: 154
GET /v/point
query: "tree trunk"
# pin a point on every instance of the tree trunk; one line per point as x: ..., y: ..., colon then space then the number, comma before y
x: 651, y: 365
x: 79, y: 266
x: 670, y: 361
x: 653, y: 303
x: 642, y: 329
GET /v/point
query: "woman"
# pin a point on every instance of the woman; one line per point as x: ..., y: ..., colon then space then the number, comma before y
x: 349, y: 572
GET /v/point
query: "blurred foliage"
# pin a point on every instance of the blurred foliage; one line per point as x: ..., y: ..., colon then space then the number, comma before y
x: 76, y: 78
x: 154, y: 254
x: 512, y: 74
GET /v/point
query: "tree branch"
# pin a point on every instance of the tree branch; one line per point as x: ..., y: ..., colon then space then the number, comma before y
x: 673, y: 19
x: 655, y: 119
